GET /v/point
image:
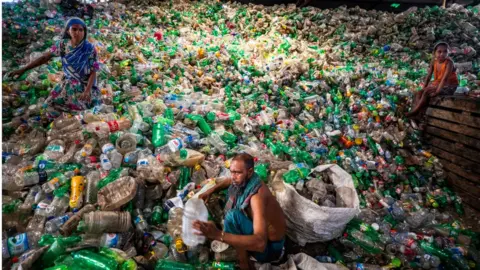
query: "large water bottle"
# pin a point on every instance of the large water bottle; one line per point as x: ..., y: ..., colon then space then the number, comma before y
x: 195, y: 209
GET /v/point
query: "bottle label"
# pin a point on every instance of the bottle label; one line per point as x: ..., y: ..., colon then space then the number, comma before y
x: 142, y: 162
x: 113, y: 125
x: 107, y: 148
x: 18, y: 244
x: 54, y: 148
x: 54, y: 182
x: 111, y: 240
x: 176, y: 144
x: 42, y: 176
x: 42, y: 165
x: 138, y: 219
x: 42, y: 205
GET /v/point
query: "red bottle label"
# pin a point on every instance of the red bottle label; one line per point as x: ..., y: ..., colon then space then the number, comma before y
x: 113, y: 125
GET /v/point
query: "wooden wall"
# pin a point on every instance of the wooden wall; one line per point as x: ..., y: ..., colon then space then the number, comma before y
x: 453, y: 131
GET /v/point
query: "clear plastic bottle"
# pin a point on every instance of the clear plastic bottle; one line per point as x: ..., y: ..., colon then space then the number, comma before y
x: 27, y: 204
x: 68, y: 227
x: 86, y: 150
x: 107, y: 221
x: 126, y: 143
x: 35, y: 229
x: 105, y: 162
x: 58, y: 206
x: 139, y: 200
x: 131, y: 158
x: 41, y: 209
x: 23, y: 179
x: 100, y: 128
x: 70, y: 153
x: 139, y: 221
x: 112, y: 240
x: 91, y: 190
x: 195, y: 209
x: 53, y: 225
x: 217, y: 142
x: 58, y: 179
x: 55, y: 150
x: 198, y: 175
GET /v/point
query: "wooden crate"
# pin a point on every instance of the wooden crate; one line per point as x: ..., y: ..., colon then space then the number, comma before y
x: 453, y: 132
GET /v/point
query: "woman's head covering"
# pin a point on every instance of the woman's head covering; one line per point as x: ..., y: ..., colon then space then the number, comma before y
x: 441, y: 43
x: 72, y: 21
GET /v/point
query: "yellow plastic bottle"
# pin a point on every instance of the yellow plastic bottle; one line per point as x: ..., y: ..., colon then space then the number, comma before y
x: 77, y: 186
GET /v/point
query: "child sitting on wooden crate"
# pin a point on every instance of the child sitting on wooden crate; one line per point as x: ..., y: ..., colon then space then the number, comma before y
x: 445, y: 80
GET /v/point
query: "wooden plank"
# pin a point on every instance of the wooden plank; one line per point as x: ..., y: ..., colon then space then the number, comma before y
x: 461, y: 172
x: 463, y: 184
x: 462, y: 118
x: 469, y: 131
x: 457, y: 103
x: 467, y: 198
x: 452, y: 147
x: 467, y: 165
x: 454, y: 137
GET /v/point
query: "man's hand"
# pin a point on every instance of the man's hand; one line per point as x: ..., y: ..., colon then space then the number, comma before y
x: 206, y: 195
x: 207, y: 229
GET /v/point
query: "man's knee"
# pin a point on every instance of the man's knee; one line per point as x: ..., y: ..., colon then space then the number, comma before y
x: 232, y: 218
x: 235, y: 221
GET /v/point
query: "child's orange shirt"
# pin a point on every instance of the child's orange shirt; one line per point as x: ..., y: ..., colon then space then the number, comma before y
x: 438, y: 72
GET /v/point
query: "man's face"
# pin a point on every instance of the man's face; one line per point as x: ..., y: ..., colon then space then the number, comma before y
x: 239, y: 172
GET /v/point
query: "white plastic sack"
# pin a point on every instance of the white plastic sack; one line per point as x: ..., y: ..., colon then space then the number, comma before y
x: 308, y: 222
x: 301, y: 261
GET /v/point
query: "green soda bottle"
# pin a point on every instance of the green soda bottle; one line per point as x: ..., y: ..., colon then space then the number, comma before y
x: 262, y: 171
x: 58, y: 267
x: 92, y: 260
x: 157, y: 214
x: 170, y: 265
x: 202, y: 124
x: 129, y: 264
x: 223, y: 265
x: 58, y: 247
x: 158, y: 135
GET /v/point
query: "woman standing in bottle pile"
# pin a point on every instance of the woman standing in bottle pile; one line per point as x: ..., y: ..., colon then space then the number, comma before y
x: 78, y: 89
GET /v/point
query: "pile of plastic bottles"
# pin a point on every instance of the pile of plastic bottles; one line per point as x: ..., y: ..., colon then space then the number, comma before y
x: 185, y: 86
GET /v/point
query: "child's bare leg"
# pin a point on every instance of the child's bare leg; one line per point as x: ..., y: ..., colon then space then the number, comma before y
x: 420, y: 105
x: 416, y: 99
x: 243, y: 259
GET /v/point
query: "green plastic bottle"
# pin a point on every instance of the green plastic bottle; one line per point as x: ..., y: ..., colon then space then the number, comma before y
x: 202, y: 124
x: 157, y: 214
x: 95, y: 261
x: 58, y: 247
x: 158, y: 135
x: 129, y: 264
x: 170, y: 265
x: 112, y: 176
x: 262, y: 171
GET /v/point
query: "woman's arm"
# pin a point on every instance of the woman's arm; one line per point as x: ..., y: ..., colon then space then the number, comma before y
x: 38, y: 62
x: 91, y: 80
x: 444, y: 79
x: 88, y: 89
